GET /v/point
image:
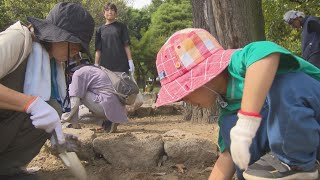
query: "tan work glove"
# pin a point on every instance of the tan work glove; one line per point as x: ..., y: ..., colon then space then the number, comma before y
x: 241, y: 136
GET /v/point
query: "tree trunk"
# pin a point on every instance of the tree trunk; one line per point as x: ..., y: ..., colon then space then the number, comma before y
x: 237, y: 23
x: 203, y: 15
x: 234, y: 24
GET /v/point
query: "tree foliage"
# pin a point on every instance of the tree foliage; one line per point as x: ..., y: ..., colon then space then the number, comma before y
x: 18, y: 10
x: 168, y: 17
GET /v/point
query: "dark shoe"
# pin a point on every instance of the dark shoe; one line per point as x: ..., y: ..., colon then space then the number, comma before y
x: 109, y: 127
x: 269, y: 167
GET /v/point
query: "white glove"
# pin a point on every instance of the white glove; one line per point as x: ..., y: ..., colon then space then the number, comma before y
x: 131, y: 65
x: 241, y: 136
x: 44, y: 117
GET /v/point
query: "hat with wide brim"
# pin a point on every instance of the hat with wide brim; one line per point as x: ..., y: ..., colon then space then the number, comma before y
x: 188, y: 60
x: 68, y: 22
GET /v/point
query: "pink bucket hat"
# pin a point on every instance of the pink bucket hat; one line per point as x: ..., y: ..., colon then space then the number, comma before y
x: 189, y: 59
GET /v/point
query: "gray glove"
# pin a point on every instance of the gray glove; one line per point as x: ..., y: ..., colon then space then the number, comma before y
x: 72, y: 143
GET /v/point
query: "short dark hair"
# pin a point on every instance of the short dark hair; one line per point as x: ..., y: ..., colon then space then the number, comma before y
x: 112, y: 6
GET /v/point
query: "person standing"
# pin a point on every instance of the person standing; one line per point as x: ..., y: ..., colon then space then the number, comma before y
x: 310, y: 41
x: 112, y: 43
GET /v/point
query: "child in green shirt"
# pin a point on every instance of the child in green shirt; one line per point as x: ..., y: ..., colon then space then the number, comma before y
x: 269, y: 98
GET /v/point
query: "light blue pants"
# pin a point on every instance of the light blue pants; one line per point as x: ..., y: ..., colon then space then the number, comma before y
x: 290, y: 122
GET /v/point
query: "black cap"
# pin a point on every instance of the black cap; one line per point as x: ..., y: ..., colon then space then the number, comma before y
x: 68, y: 22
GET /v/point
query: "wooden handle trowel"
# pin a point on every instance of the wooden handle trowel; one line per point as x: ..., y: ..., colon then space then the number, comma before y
x: 71, y: 161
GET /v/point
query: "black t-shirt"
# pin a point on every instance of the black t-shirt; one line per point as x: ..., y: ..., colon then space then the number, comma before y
x: 110, y: 40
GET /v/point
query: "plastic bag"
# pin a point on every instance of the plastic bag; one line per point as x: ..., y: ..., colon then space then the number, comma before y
x: 138, y: 101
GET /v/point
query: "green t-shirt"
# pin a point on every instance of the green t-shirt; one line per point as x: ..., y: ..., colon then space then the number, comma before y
x: 243, y: 58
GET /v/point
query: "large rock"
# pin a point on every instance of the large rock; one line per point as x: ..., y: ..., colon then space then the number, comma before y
x: 149, y: 97
x: 166, y: 109
x: 128, y: 150
x: 151, y: 109
x: 144, y: 111
x: 186, y: 148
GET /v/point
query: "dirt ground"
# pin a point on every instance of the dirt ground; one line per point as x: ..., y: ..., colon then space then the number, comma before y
x: 50, y: 167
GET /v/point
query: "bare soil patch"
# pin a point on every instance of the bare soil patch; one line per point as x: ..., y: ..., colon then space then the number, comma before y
x: 50, y: 167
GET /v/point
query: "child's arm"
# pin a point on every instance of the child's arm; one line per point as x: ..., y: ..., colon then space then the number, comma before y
x: 223, y: 168
x: 258, y: 80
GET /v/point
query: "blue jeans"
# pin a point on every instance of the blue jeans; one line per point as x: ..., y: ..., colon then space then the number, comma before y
x: 290, y: 122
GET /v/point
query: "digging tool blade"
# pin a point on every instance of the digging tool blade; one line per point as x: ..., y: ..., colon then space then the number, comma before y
x: 71, y: 161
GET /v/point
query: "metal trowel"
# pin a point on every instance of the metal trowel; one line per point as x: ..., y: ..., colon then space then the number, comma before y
x: 71, y: 161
